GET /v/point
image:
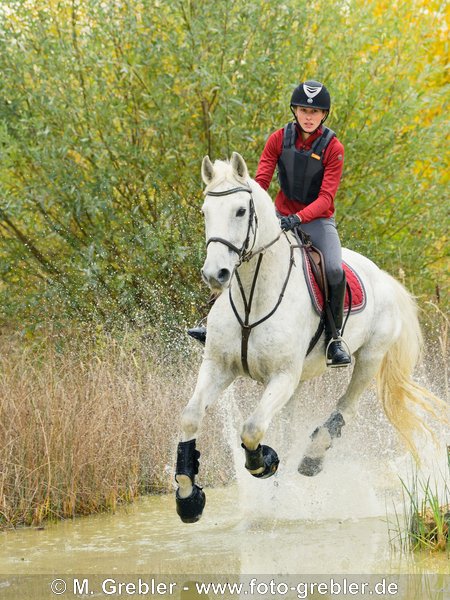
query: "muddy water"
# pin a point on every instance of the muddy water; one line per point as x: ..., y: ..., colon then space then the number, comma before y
x: 289, y: 526
x: 148, y: 538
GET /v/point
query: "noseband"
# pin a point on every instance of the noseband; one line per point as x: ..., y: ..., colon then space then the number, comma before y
x: 244, y: 253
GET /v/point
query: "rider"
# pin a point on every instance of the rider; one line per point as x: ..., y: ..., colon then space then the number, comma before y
x: 310, y: 160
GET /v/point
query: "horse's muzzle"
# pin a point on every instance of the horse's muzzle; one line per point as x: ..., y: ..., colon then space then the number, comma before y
x: 217, y: 280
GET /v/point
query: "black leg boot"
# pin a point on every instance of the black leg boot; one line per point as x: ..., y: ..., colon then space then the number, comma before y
x: 199, y: 331
x: 337, y: 356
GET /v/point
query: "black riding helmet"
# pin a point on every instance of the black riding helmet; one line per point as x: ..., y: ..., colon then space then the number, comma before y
x: 311, y: 94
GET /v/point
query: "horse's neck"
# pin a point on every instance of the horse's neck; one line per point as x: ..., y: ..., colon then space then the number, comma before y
x: 274, y: 266
x: 268, y: 269
x: 267, y: 224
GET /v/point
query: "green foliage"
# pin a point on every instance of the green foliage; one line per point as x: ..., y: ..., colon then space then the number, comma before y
x: 426, y: 518
x: 107, y: 108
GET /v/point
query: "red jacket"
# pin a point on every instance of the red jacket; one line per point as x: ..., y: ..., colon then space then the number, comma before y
x: 333, y: 162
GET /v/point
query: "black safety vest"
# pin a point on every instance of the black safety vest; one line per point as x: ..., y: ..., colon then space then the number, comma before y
x: 300, y: 172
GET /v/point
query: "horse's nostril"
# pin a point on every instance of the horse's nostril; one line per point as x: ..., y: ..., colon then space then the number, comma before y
x: 223, y: 275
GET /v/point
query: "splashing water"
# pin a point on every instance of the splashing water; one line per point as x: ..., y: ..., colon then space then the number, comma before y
x: 363, y: 471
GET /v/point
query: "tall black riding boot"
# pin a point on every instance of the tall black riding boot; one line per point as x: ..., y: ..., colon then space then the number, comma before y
x: 199, y: 331
x: 337, y: 356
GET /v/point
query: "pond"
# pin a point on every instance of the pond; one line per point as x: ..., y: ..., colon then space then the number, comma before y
x: 272, y: 536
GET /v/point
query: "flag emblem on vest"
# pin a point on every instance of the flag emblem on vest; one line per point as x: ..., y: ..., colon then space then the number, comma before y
x: 311, y: 91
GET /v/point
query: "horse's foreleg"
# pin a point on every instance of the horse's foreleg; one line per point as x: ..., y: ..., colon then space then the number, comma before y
x: 190, y: 498
x: 262, y: 461
x: 366, y: 367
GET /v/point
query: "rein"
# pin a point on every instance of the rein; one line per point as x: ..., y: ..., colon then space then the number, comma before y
x: 245, y: 255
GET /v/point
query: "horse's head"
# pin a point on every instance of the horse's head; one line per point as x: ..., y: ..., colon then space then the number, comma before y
x: 230, y: 220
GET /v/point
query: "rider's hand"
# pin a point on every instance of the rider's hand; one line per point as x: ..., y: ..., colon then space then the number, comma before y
x: 288, y: 223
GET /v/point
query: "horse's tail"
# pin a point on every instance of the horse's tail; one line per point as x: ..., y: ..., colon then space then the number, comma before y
x: 402, y: 398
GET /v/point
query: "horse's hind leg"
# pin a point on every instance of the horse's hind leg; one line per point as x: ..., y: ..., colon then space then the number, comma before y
x: 367, y: 363
x: 190, y: 498
x: 262, y: 461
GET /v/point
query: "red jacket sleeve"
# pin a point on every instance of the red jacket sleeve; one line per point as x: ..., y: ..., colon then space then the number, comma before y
x: 269, y: 159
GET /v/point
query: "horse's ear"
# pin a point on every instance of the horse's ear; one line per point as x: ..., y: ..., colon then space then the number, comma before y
x: 239, y: 166
x: 207, y: 170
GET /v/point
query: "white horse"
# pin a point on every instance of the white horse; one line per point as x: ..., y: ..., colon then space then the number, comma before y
x: 248, y: 254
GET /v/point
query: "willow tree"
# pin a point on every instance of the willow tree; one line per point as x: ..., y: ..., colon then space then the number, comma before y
x: 106, y: 109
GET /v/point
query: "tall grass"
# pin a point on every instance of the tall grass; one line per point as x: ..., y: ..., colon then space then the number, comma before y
x: 89, y: 422
x: 425, y: 520
x: 90, y: 419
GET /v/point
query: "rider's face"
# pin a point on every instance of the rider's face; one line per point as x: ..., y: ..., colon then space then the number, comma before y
x: 309, y: 118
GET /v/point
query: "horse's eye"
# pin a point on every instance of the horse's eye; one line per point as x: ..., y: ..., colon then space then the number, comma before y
x: 241, y: 212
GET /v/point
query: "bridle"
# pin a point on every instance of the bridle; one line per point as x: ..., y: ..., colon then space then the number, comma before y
x: 243, y: 253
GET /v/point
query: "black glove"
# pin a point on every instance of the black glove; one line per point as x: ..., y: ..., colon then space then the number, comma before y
x: 288, y: 223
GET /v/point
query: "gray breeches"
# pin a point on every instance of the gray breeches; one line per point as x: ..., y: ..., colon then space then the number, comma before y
x: 325, y: 237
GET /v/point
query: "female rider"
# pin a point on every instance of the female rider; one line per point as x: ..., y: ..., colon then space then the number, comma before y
x: 310, y: 159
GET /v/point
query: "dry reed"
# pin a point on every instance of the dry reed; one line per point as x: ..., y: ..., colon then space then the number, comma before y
x: 89, y: 422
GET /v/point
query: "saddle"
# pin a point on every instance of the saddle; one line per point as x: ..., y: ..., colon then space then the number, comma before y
x: 315, y: 276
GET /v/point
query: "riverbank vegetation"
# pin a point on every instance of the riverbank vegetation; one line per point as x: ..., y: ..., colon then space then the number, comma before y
x: 106, y: 110
x: 90, y: 419
x: 424, y: 522
x: 88, y: 422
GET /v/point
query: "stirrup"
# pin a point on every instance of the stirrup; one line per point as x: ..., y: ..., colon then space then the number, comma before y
x: 346, y: 348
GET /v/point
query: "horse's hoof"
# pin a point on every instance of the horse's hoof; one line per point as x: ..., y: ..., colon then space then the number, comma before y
x: 310, y: 466
x: 190, y: 509
x: 271, y: 462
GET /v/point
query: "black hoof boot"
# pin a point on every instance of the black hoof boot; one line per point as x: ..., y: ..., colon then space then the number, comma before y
x: 265, y: 458
x: 198, y: 333
x: 310, y: 466
x: 190, y: 509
